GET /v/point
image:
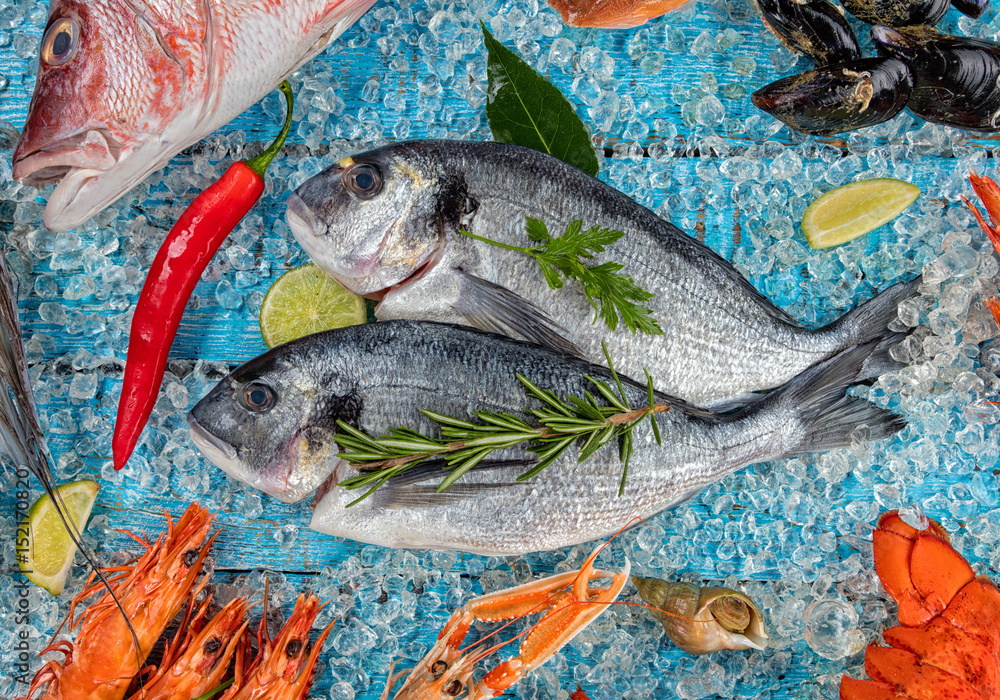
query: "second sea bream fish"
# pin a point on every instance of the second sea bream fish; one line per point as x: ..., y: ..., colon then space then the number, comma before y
x: 271, y: 424
x: 386, y: 225
x: 124, y: 86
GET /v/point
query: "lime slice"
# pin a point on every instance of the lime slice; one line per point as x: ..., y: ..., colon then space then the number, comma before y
x: 843, y: 214
x: 50, y: 551
x: 306, y: 300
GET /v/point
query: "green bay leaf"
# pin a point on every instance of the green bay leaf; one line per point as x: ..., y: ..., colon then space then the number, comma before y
x: 528, y: 110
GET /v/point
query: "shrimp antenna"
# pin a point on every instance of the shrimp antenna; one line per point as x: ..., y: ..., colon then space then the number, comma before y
x: 20, y: 433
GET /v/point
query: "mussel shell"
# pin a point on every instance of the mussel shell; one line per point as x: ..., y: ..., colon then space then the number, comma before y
x: 954, y: 78
x: 839, y: 98
x: 972, y: 8
x: 897, y: 13
x: 816, y: 28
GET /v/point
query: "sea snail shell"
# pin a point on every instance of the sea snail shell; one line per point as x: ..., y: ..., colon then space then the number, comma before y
x: 708, y: 619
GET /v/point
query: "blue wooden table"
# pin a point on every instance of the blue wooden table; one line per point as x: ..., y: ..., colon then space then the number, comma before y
x: 668, y: 104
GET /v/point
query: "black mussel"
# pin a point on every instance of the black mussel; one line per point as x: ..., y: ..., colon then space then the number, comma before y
x: 897, y: 13
x: 816, y: 28
x: 835, y: 99
x: 972, y: 8
x: 954, y: 78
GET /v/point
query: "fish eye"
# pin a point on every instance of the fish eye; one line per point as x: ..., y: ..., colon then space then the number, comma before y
x: 438, y: 668
x: 293, y: 648
x: 364, y: 181
x: 190, y: 557
x: 258, y: 397
x: 212, y: 645
x: 60, y: 42
x: 453, y: 688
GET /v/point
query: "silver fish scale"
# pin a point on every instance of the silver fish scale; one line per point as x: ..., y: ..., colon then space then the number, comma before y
x: 449, y: 369
x: 722, y: 339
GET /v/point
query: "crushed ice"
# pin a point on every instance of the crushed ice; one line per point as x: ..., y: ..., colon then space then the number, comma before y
x: 796, y: 536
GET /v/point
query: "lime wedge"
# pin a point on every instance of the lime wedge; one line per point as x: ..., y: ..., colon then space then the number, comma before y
x: 50, y: 550
x: 843, y: 214
x: 306, y: 300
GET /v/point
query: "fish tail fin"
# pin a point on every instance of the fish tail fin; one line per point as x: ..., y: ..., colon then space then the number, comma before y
x: 827, y: 416
x: 871, y: 320
x: 881, y: 361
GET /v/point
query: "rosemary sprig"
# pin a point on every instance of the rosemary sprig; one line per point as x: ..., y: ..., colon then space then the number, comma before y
x: 464, y: 444
x: 604, y: 284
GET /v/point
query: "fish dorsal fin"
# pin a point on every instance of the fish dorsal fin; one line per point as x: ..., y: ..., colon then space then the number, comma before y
x: 724, y: 272
x: 496, y: 309
x: 769, y: 307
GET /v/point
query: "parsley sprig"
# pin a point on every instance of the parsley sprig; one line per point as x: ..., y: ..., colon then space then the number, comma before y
x: 465, y: 444
x: 603, y: 284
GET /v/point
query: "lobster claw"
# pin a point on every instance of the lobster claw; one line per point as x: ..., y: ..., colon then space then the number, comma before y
x: 913, y: 677
x: 948, y: 643
x: 919, y: 568
x: 959, y: 652
x: 854, y: 689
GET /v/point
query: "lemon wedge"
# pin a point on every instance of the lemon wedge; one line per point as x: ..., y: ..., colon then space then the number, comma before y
x: 50, y: 548
x: 304, y: 301
x: 850, y: 211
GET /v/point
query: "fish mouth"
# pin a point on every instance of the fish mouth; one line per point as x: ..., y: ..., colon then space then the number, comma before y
x: 93, y: 149
x: 218, y: 451
x: 301, y: 219
x: 276, y: 479
x: 417, y: 274
x: 224, y: 456
x: 309, y: 229
x: 72, y: 162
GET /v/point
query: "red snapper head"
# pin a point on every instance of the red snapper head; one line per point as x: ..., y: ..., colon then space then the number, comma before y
x: 109, y: 80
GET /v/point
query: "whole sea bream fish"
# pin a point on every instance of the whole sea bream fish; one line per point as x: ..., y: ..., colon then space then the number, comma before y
x: 271, y: 424
x: 124, y: 86
x: 385, y: 224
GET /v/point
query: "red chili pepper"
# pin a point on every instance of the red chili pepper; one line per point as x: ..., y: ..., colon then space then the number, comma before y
x: 183, y: 256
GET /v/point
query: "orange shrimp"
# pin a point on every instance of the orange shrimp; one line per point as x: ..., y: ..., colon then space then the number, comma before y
x: 192, y: 667
x: 102, y: 661
x: 284, y: 667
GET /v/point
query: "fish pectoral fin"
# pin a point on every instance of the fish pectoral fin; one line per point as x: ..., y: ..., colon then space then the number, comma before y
x: 493, y: 308
x: 427, y: 496
x: 417, y: 487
